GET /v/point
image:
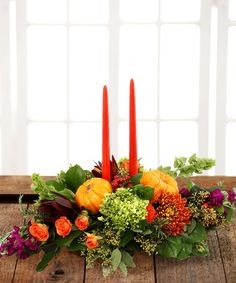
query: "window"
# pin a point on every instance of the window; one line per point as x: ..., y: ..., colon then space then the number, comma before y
x: 57, y: 54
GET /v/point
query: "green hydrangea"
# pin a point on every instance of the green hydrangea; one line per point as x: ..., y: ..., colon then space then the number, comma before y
x: 123, y: 210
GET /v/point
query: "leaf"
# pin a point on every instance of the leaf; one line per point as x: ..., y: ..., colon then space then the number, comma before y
x: 67, y: 240
x: 144, y: 192
x: 135, y: 179
x: 198, y: 234
x: 123, y: 268
x: 200, y: 249
x: 75, y: 177
x: 186, y: 250
x: 115, y: 258
x: 170, y: 247
x: 192, y: 226
x: 56, y: 185
x: 45, y: 260
x: 230, y: 211
x: 126, y: 238
x: 76, y: 246
x: 127, y: 259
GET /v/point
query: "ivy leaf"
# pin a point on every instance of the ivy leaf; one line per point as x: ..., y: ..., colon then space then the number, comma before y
x: 123, y: 268
x: 75, y: 177
x: 170, y: 247
x: 45, y: 260
x: 186, y: 250
x: 116, y: 258
x: 127, y: 259
x: 230, y: 211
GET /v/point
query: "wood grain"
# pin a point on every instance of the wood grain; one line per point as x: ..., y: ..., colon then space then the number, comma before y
x: 9, y: 216
x: 64, y: 268
x: 227, y: 241
x: 144, y: 272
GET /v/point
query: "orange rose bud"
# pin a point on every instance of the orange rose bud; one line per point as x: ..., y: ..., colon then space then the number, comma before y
x: 63, y: 226
x: 39, y: 231
x: 91, y: 241
x: 82, y: 222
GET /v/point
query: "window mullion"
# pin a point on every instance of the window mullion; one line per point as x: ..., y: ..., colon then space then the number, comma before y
x: 221, y: 86
x: 203, y: 120
x: 114, y: 26
x: 21, y: 122
x: 6, y: 129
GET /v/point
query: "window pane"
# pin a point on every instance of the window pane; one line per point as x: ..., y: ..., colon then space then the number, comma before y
x: 230, y: 149
x: 139, y: 10
x: 138, y: 60
x: 88, y: 63
x: 231, y: 83
x: 180, y: 11
x: 46, y: 11
x: 85, y: 144
x: 47, y: 73
x: 179, y: 71
x: 147, y: 142
x: 177, y: 139
x: 89, y: 11
x: 47, y: 146
x: 232, y: 9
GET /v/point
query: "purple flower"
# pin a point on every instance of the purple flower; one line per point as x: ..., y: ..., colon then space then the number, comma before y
x: 216, y: 197
x: 184, y: 192
x: 231, y: 196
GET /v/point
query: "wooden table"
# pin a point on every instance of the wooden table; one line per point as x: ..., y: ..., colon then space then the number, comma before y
x: 220, y: 266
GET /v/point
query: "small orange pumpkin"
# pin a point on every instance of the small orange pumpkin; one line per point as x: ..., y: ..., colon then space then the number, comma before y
x: 91, y: 193
x: 160, y: 181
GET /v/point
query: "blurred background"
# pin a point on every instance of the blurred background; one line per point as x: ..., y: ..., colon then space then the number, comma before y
x: 56, y: 55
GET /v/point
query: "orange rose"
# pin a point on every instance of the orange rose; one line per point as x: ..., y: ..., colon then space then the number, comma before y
x: 82, y: 222
x: 63, y: 226
x: 91, y: 241
x: 39, y: 231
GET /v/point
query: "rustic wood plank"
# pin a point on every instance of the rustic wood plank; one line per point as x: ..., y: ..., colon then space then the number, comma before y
x: 11, y: 185
x: 195, y: 269
x: 209, y: 181
x: 227, y: 240
x: 143, y: 272
x: 9, y: 216
x: 65, y: 267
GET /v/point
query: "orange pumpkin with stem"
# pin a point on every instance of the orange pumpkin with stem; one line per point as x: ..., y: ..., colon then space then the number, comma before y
x: 160, y: 181
x: 91, y: 193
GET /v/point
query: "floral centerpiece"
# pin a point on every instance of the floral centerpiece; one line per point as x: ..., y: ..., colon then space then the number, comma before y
x: 111, y: 220
x: 117, y: 208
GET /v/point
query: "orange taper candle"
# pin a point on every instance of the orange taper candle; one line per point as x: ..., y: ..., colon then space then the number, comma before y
x: 106, y: 171
x: 133, y: 163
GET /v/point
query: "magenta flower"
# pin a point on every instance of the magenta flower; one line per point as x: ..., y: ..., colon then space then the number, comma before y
x: 216, y: 197
x: 231, y: 196
x: 184, y: 192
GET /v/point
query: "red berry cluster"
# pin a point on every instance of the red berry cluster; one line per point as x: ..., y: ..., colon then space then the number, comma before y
x: 121, y: 182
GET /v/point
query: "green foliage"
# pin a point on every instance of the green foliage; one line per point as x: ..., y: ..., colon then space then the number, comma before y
x: 75, y: 177
x: 135, y: 179
x: 115, y: 258
x: 143, y: 192
x: 47, y: 191
x: 66, y: 241
x: 45, y: 260
x: 186, y: 167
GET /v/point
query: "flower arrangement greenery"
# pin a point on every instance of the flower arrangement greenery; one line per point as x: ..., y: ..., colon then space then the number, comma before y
x: 109, y: 221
